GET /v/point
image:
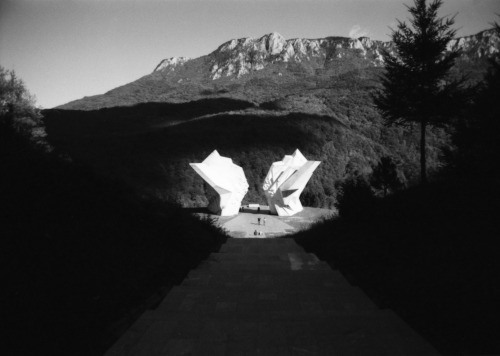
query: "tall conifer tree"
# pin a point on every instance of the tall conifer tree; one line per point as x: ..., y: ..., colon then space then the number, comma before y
x: 416, y: 85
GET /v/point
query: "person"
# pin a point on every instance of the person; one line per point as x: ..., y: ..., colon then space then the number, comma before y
x: 258, y: 209
x: 255, y: 233
x: 264, y: 221
x: 258, y: 220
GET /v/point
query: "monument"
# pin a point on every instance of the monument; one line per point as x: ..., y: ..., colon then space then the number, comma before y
x: 285, y: 181
x: 227, y: 179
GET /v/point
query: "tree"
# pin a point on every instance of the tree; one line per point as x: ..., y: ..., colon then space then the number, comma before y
x: 18, y: 112
x: 416, y: 83
x: 354, y: 198
x: 385, y: 175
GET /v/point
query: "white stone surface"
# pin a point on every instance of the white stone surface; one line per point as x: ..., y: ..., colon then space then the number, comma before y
x: 227, y: 179
x: 241, y: 56
x: 171, y: 63
x: 285, y: 181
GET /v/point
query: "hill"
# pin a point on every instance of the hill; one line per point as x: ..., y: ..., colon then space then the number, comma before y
x: 253, y: 100
x: 155, y: 158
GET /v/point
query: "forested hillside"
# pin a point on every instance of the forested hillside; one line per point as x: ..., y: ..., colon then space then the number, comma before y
x: 255, y: 100
x: 150, y: 145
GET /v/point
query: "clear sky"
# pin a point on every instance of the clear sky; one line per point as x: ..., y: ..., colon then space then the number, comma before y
x: 67, y: 49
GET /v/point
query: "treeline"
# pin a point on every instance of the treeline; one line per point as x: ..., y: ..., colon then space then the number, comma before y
x: 152, y: 152
x: 82, y: 255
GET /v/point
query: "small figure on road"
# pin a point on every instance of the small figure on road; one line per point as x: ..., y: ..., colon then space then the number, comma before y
x: 264, y: 221
x: 258, y: 209
x: 258, y: 220
x: 255, y: 233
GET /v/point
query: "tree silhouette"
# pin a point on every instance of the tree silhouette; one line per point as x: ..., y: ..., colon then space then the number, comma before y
x: 385, y: 175
x: 416, y: 83
x: 18, y: 112
x: 355, y: 196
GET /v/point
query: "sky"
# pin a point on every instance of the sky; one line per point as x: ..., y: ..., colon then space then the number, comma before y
x: 67, y: 49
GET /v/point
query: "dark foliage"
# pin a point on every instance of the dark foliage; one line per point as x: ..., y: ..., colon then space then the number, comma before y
x: 353, y: 198
x: 385, y: 176
x: 152, y: 152
x: 17, y: 109
x: 430, y: 254
x: 416, y: 85
x: 82, y: 256
x: 133, y: 119
x: 477, y: 133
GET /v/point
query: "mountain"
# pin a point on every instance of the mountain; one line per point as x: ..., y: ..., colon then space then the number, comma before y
x: 253, y: 100
x: 270, y: 67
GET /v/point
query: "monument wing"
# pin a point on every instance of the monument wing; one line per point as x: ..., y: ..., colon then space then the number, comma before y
x: 285, y: 182
x: 227, y: 179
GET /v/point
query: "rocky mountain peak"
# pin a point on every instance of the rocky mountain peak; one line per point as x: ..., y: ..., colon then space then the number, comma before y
x: 484, y: 44
x: 241, y: 56
x: 273, y: 42
x: 171, y: 63
x: 270, y: 67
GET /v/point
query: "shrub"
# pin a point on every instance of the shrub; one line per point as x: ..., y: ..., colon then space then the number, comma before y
x: 354, y: 198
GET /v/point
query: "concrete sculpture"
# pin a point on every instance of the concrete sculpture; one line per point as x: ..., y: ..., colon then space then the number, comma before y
x: 285, y: 181
x: 227, y: 179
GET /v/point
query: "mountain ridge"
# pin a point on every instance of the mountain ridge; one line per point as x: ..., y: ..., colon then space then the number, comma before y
x: 246, y: 54
x: 268, y: 68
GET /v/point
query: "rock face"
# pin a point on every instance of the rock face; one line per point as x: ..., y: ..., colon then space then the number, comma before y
x: 238, y: 57
x: 227, y: 179
x: 171, y: 63
x: 241, y: 56
x: 285, y: 181
x: 485, y: 44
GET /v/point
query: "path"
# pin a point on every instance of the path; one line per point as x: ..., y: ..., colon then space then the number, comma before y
x: 267, y: 297
x: 246, y: 223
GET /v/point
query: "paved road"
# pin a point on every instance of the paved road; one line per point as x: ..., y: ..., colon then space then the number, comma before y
x: 267, y: 297
x: 246, y: 223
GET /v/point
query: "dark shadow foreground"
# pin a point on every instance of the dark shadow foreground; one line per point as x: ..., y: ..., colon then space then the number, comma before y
x: 430, y: 254
x: 83, y: 256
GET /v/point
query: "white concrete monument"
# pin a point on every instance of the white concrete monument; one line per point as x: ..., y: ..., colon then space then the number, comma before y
x: 227, y: 179
x: 285, y: 181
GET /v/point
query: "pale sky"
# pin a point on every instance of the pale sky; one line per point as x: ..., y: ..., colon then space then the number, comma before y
x: 65, y: 50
